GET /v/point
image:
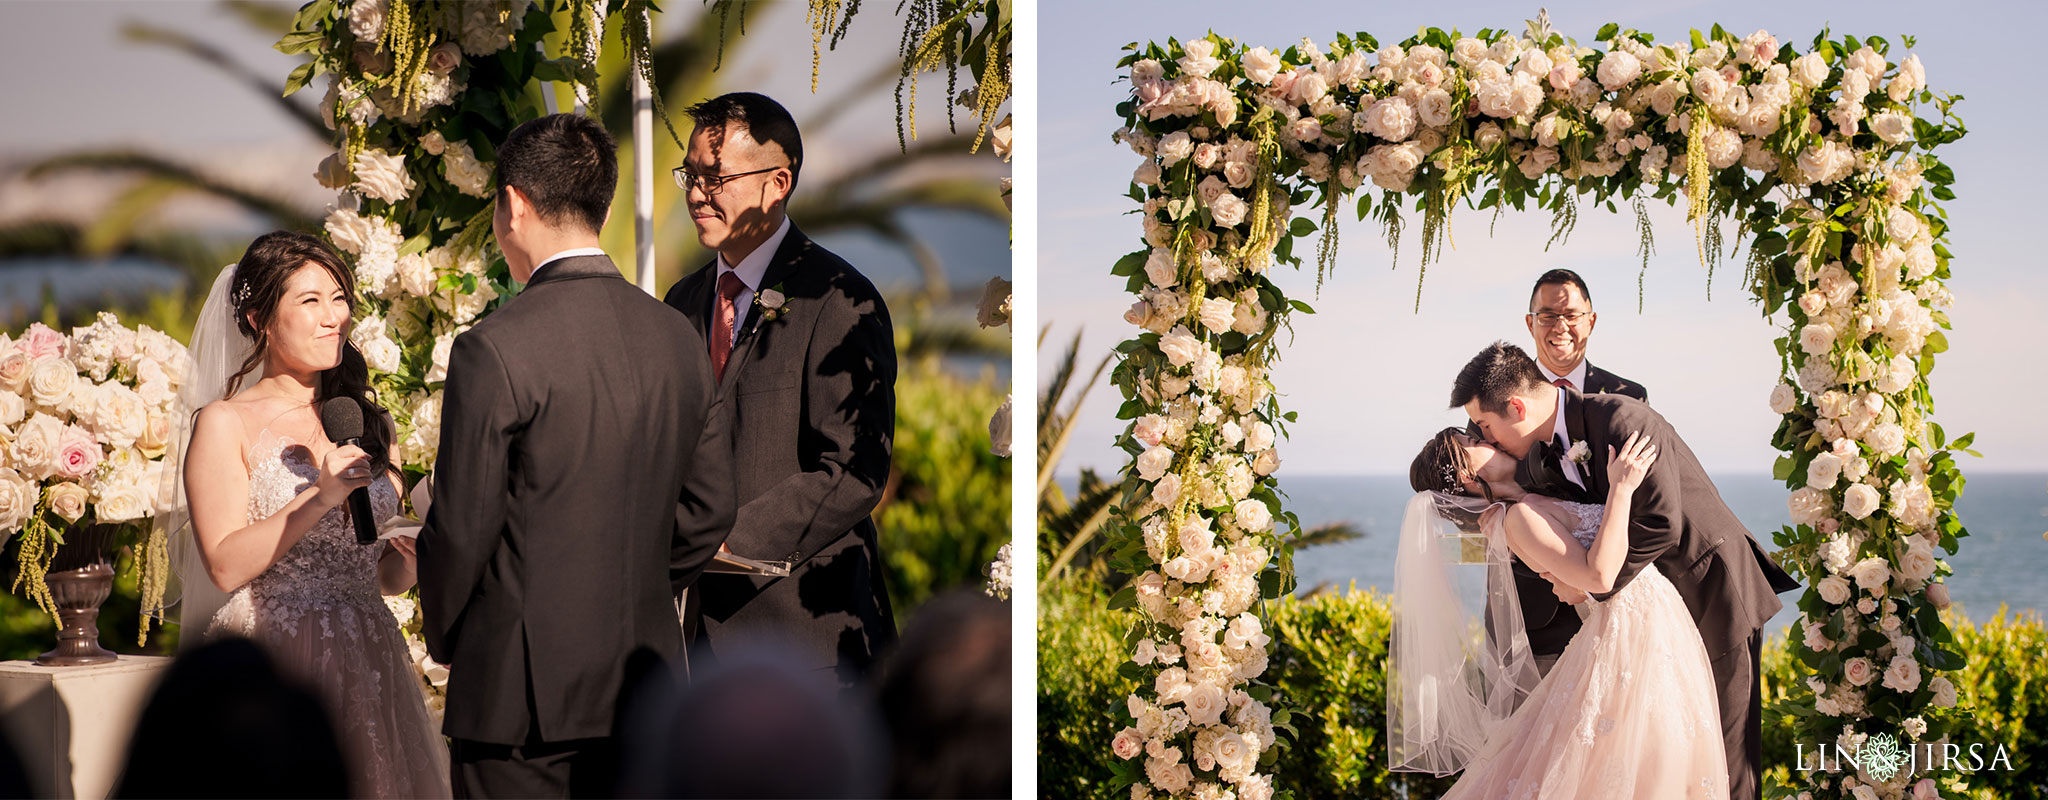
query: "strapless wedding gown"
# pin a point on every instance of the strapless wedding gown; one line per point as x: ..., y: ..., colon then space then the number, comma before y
x: 1629, y: 709
x: 320, y: 615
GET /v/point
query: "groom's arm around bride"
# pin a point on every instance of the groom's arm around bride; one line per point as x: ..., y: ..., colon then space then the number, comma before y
x: 555, y: 532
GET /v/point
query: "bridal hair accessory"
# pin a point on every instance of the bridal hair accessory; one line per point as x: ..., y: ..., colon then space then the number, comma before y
x: 1451, y: 483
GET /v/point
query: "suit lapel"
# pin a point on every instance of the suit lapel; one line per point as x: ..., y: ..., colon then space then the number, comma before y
x: 788, y: 258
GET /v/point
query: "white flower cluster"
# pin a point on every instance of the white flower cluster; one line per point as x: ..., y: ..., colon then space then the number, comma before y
x: 85, y: 421
x: 999, y: 574
x: 483, y: 27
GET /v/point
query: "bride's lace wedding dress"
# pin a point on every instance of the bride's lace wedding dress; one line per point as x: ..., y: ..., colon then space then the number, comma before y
x: 320, y: 615
x: 1629, y: 710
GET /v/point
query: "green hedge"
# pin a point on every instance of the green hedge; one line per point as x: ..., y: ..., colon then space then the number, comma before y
x: 1329, y: 655
x: 1328, y: 651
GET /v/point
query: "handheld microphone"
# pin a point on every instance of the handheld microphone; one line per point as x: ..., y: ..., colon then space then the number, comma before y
x: 343, y: 419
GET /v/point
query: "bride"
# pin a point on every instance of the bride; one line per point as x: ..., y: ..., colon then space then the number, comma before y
x: 266, y: 493
x: 1629, y: 708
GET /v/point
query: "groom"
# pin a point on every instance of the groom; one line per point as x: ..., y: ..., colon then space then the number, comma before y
x: 572, y: 491
x: 1676, y: 521
x: 806, y: 359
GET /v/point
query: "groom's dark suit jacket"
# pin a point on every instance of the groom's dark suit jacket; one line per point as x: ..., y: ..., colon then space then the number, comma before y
x: 1677, y: 521
x: 813, y: 397
x: 578, y: 482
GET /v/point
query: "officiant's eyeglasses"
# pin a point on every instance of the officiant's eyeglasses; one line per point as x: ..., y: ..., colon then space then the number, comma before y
x: 1549, y: 319
x: 711, y: 184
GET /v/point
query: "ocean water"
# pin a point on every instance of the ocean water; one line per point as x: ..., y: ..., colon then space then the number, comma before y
x: 2004, y: 560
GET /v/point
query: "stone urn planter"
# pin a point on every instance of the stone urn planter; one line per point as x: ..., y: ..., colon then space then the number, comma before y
x: 81, y: 578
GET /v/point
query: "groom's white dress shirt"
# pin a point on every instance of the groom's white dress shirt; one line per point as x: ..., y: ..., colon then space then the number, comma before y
x: 750, y: 271
x: 571, y: 253
x: 1564, y: 437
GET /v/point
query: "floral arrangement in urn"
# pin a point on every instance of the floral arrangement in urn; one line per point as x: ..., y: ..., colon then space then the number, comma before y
x: 85, y: 422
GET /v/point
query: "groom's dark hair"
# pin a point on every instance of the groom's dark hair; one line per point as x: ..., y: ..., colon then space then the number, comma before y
x: 1499, y: 372
x: 763, y: 118
x: 567, y: 165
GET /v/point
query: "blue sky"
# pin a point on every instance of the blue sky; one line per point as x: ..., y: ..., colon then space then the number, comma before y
x: 1370, y: 377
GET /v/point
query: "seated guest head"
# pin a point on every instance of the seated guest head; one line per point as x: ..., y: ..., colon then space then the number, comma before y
x: 742, y: 166
x: 224, y: 723
x: 555, y: 177
x: 945, y: 696
x: 755, y: 724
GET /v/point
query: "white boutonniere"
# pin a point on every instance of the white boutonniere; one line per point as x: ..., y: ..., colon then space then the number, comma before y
x: 1579, y: 453
x: 772, y: 302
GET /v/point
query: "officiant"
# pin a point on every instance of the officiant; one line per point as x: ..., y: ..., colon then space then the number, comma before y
x: 1561, y: 321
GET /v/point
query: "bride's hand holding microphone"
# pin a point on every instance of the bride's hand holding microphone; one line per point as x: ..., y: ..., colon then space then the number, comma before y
x: 342, y: 471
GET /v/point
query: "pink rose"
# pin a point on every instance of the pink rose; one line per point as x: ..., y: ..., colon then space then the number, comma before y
x: 41, y: 342
x: 1858, y: 670
x: 1127, y: 744
x: 444, y: 58
x: 78, y: 454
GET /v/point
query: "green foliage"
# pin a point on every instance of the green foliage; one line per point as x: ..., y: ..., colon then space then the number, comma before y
x: 2002, y: 700
x: 1328, y: 661
x: 948, y: 506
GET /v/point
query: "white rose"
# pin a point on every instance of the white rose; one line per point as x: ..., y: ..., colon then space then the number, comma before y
x: 366, y: 20
x: 1260, y: 65
x: 51, y: 382
x: 1200, y: 58
x: 1782, y: 398
x: 1887, y: 439
x: 121, y: 503
x: 1391, y: 118
x: 1253, y: 516
x: 1175, y: 147
x: 1871, y: 574
x: 1147, y: 174
x: 1153, y: 463
x: 1181, y: 347
x: 17, y: 501
x: 1167, y: 491
x: 1903, y: 675
x: 1619, y: 69
x: 1860, y: 501
x: 1824, y: 471
x: 1204, y: 703
x: 382, y: 176
x: 1918, y: 563
x: 1833, y: 590
x: 1723, y: 148
x: 1809, y: 70
x: 1892, y: 126
x: 1267, y: 462
x: 468, y: 175
x: 1160, y: 268
x: 1228, y: 211
x: 1944, y: 691
x: 1807, y: 506
x: 1817, y: 338
x: 1868, y: 61
x: 1911, y: 79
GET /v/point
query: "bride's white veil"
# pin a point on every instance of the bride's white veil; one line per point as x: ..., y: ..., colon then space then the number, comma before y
x: 1459, y: 661
x: 218, y: 348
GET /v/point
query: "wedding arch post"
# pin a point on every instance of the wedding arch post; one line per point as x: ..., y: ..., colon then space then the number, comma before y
x: 1824, y: 161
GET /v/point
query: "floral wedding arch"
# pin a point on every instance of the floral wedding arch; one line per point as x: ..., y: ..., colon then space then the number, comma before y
x: 1824, y: 161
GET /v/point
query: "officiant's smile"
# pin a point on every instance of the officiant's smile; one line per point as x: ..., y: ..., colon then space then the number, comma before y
x: 733, y: 183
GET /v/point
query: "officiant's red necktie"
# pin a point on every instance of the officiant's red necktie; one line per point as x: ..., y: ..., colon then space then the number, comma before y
x: 729, y: 288
x: 1562, y: 383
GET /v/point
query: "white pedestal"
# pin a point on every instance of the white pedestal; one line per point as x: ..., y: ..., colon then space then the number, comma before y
x: 71, y: 724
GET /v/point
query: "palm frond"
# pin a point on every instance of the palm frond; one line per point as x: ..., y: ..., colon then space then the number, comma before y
x: 217, y: 58
x: 283, y: 212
